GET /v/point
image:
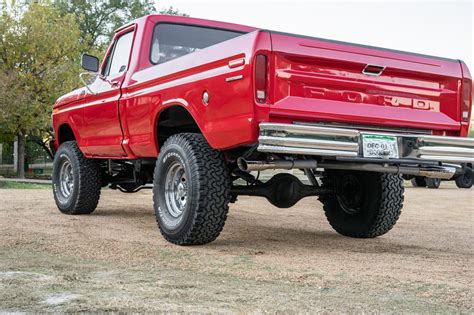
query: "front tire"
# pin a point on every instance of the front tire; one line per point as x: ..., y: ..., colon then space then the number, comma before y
x: 191, y: 190
x: 365, y: 204
x: 76, y: 180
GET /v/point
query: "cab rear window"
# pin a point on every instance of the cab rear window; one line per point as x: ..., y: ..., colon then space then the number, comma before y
x: 171, y: 41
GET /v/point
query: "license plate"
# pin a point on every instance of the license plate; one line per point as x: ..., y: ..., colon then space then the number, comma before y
x: 375, y: 146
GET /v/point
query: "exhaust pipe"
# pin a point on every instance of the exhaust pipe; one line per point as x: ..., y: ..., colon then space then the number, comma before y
x: 442, y: 172
x: 249, y: 166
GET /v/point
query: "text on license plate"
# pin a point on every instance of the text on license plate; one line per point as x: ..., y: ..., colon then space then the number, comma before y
x: 375, y: 146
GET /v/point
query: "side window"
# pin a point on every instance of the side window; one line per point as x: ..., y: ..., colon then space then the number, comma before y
x: 170, y: 41
x: 118, y: 59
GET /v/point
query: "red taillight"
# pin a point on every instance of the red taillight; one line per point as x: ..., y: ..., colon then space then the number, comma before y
x: 261, y: 78
x: 466, y: 99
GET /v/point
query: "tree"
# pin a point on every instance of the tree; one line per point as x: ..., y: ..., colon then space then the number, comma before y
x: 172, y: 11
x: 38, y: 49
x: 100, y: 18
x: 40, y: 46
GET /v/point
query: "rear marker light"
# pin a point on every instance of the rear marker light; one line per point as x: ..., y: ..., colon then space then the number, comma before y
x: 465, y: 115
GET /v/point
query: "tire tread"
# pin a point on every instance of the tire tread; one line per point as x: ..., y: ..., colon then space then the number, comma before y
x: 89, y: 182
x: 390, y: 204
x: 209, y: 170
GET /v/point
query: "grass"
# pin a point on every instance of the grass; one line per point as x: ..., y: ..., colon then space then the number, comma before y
x: 16, y: 185
x: 29, y: 175
x: 35, y: 280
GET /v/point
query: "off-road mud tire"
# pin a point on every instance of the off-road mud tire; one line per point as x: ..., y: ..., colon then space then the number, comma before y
x: 208, y: 192
x: 381, y: 202
x: 85, y: 194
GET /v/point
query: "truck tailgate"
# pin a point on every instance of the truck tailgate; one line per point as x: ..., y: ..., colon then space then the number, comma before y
x: 327, y: 81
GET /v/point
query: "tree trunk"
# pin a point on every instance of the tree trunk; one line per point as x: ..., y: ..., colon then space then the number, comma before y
x: 21, y: 156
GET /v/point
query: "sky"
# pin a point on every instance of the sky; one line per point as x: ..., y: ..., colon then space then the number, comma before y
x: 439, y: 28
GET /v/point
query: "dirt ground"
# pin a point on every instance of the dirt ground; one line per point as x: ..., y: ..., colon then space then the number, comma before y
x: 266, y: 259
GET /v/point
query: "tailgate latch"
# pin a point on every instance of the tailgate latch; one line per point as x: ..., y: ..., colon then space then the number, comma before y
x: 373, y: 70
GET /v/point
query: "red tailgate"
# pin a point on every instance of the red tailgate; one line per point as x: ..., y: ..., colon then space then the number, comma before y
x: 323, y: 81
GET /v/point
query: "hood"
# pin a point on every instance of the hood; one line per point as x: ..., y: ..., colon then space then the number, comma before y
x: 74, y: 96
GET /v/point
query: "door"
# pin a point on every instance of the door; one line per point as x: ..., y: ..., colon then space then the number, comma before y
x: 103, y: 131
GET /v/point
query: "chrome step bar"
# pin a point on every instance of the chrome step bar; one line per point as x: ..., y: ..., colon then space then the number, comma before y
x: 311, y: 143
x: 304, y: 151
x: 308, y: 130
x: 305, y: 140
x: 342, y: 142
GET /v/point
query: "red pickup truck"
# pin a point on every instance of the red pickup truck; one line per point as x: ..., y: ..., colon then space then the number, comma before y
x: 199, y: 108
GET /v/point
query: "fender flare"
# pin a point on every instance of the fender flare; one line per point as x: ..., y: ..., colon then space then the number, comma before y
x: 189, y: 108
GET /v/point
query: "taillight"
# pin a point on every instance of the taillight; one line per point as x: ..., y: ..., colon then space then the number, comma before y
x: 466, y: 99
x: 261, y: 78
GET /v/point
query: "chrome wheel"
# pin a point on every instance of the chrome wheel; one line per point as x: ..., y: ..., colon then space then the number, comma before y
x: 66, y: 179
x: 176, y: 189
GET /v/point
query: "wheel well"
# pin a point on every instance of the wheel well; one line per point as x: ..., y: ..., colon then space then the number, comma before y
x: 65, y: 133
x: 175, y: 120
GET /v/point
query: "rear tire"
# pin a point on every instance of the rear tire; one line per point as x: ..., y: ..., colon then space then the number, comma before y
x: 191, y: 190
x: 433, y: 183
x: 465, y: 179
x: 418, y: 181
x: 76, y: 180
x: 365, y: 204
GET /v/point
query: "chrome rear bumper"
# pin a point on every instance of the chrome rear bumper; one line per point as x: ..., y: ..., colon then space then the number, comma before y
x: 341, y: 142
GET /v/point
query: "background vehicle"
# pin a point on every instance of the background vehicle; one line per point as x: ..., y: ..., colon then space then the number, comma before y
x: 463, y: 179
x: 217, y: 101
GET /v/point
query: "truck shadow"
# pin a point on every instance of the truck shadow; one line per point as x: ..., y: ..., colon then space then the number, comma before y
x: 124, y: 212
x: 262, y: 238
x: 250, y: 231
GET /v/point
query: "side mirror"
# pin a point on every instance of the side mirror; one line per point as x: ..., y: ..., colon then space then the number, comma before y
x: 90, y: 63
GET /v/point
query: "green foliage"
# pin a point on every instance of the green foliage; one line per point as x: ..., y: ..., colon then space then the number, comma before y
x: 172, y: 11
x: 35, y: 154
x: 100, y: 18
x: 38, y: 49
x: 40, y: 46
x: 7, y: 153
